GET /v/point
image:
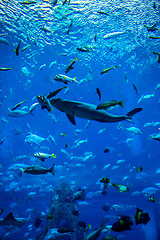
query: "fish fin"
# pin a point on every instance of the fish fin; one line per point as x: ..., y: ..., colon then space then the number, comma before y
x: 71, y: 119
x: 121, y: 103
x: 133, y: 112
x: 52, y: 169
x: 9, y: 216
x: 76, y: 59
x: 116, y: 66
x: 53, y: 155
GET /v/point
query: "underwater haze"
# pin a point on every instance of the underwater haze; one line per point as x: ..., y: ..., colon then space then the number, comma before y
x: 79, y: 119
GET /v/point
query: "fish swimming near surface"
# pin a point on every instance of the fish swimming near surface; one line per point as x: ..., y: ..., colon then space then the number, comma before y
x: 151, y: 28
x: 64, y: 79
x: 17, y: 48
x: 28, y: 2
x: 158, y: 56
x: 5, y: 69
x: 88, y: 111
x: 154, y: 37
x: 10, y: 220
x: 4, y: 40
x: 135, y: 88
x: 102, y: 12
x: 113, y: 35
x: 38, y: 170
x: 70, y: 65
x: 23, y: 49
x: 69, y: 27
x: 106, y: 70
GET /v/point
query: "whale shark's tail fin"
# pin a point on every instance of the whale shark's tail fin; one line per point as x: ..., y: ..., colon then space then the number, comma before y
x: 131, y: 113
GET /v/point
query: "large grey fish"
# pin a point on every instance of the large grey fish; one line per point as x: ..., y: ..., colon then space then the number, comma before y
x: 89, y: 111
x: 10, y: 220
x: 37, y: 170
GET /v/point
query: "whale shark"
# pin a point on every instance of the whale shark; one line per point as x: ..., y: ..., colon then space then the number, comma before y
x: 88, y: 111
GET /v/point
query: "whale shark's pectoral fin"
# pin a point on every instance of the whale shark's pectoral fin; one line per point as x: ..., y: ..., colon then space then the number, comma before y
x: 71, y: 119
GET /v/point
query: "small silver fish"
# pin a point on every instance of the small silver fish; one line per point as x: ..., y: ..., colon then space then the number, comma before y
x: 17, y: 113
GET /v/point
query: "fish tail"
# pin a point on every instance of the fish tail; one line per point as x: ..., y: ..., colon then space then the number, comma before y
x: 52, y: 169
x: 121, y: 103
x: 116, y: 66
x: 53, y: 155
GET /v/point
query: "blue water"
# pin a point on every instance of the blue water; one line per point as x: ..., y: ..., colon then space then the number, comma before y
x: 133, y: 53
